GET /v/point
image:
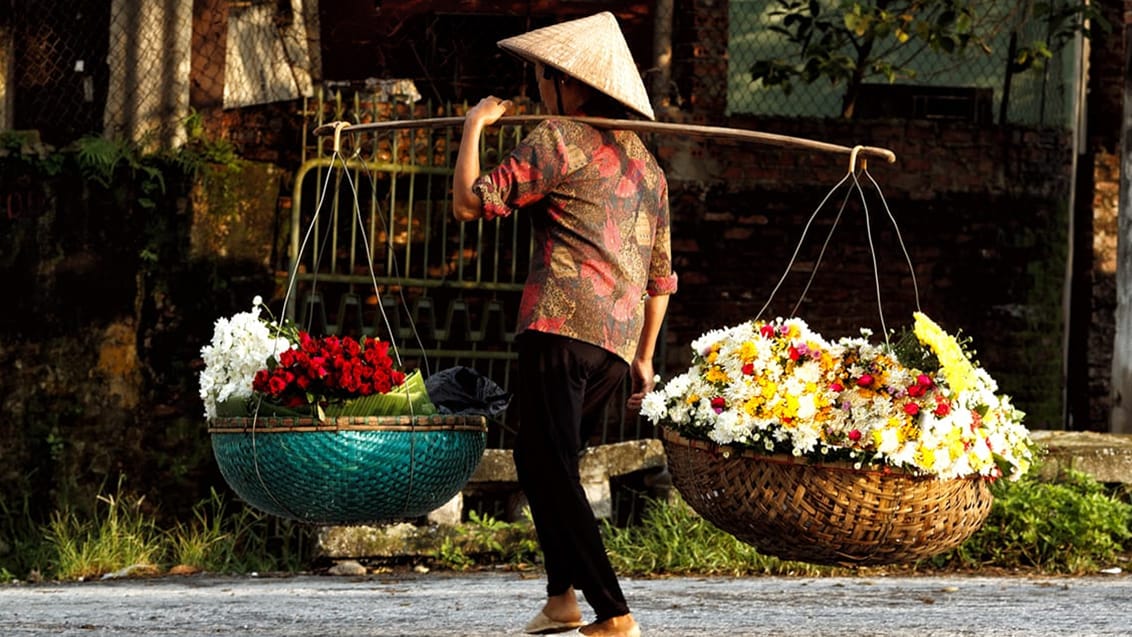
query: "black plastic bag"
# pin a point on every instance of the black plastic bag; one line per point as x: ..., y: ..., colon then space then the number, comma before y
x: 463, y: 390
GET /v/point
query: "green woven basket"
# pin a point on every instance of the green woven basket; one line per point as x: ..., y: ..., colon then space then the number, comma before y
x: 348, y: 470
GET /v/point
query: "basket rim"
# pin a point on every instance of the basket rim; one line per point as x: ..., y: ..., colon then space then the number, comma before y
x: 300, y: 424
x: 670, y: 435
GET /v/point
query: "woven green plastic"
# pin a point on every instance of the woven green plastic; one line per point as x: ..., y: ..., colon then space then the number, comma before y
x: 350, y: 471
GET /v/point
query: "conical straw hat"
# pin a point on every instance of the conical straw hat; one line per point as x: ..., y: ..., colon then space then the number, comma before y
x: 592, y: 50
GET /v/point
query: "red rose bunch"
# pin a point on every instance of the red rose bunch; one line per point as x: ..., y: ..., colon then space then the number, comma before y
x: 328, y: 370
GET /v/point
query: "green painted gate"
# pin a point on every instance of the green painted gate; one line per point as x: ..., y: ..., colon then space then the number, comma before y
x: 445, y: 293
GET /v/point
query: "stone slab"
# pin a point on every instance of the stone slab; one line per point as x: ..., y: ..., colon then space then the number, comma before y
x: 1107, y: 457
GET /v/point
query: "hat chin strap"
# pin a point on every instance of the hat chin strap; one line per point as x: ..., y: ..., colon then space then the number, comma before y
x: 558, y: 98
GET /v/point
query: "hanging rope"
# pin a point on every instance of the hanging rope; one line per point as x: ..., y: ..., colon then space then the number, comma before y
x: 855, y: 187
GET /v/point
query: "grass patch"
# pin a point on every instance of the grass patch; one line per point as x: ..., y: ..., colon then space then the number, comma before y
x: 672, y: 539
x: 1070, y: 525
x: 243, y: 540
x: 486, y: 540
x: 122, y: 536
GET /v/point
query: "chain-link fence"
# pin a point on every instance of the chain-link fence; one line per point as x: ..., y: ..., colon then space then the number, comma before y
x: 970, y: 84
x: 57, y: 79
x: 137, y: 70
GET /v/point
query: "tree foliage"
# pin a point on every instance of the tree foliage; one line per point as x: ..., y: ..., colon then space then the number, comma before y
x: 850, y: 42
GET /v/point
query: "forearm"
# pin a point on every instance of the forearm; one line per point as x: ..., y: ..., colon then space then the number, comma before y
x: 641, y: 368
x: 466, y: 205
x: 655, y: 309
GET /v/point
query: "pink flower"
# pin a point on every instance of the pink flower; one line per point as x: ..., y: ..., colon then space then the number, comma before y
x: 718, y: 404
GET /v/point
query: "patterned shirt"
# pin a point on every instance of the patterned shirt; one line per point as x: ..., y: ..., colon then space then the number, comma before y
x: 598, y: 204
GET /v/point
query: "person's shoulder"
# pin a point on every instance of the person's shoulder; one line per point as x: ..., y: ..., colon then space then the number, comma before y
x: 561, y: 128
x: 568, y: 126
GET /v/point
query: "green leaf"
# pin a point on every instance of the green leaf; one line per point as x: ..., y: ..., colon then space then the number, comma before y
x: 410, y: 398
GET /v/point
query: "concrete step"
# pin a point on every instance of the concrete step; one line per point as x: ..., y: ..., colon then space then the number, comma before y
x: 1106, y: 457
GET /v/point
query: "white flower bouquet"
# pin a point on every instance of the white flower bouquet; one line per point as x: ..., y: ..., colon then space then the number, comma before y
x: 256, y: 367
x: 921, y: 404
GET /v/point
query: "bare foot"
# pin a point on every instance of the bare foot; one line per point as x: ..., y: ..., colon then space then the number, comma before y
x: 620, y: 626
x: 563, y: 608
x: 559, y: 614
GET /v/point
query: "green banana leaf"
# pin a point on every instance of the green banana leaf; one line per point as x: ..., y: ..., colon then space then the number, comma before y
x: 410, y: 398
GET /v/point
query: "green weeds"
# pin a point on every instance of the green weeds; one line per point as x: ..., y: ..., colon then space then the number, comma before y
x: 1070, y: 525
x: 124, y: 537
x: 672, y: 539
x: 121, y: 536
x: 486, y: 540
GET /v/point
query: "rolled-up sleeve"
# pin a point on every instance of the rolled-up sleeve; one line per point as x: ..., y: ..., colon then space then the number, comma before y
x: 662, y: 279
x: 662, y: 285
x: 526, y: 175
x: 492, y: 198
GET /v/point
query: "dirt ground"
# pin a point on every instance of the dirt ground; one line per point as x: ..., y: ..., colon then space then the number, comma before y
x: 500, y: 602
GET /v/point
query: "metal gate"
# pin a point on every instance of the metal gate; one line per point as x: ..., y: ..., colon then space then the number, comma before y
x: 445, y: 293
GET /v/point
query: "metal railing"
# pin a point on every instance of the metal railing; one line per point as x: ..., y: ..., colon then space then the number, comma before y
x: 444, y: 293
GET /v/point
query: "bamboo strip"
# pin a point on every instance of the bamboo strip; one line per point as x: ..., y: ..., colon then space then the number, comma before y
x: 640, y: 126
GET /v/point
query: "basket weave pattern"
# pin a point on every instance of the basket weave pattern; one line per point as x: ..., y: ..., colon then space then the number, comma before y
x: 825, y: 514
x: 353, y: 471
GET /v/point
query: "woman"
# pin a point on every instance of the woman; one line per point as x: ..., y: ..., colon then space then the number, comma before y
x: 596, y: 294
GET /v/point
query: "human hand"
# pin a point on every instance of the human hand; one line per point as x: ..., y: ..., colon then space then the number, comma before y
x: 644, y: 381
x: 487, y: 111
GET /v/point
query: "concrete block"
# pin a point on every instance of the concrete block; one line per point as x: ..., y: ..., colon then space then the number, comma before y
x: 448, y: 513
x: 1106, y: 457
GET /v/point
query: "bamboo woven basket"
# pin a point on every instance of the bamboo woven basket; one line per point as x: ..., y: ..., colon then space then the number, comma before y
x: 830, y: 514
x: 348, y: 470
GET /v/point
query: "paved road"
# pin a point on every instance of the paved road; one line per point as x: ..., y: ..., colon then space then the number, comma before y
x: 499, y: 603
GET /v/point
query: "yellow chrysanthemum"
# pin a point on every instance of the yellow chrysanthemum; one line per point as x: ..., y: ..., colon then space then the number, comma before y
x: 715, y: 374
x: 957, y: 369
x: 897, y: 423
x: 955, y: 444
x: 752, y: 405
x: 790, y: 409
x: 748, y: 352
x: 925, y: 456
x: 768, y: 388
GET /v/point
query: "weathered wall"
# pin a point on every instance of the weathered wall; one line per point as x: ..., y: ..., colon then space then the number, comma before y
x: 982, y: 213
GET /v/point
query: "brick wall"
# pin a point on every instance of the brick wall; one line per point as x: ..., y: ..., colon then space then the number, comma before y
x: 982, y: 211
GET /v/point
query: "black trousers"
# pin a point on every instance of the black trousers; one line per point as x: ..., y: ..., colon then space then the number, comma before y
x: 564, y: 385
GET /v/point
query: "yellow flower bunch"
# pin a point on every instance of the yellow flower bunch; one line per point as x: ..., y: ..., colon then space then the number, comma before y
x: 953, y: 362
x: 779, y: 387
